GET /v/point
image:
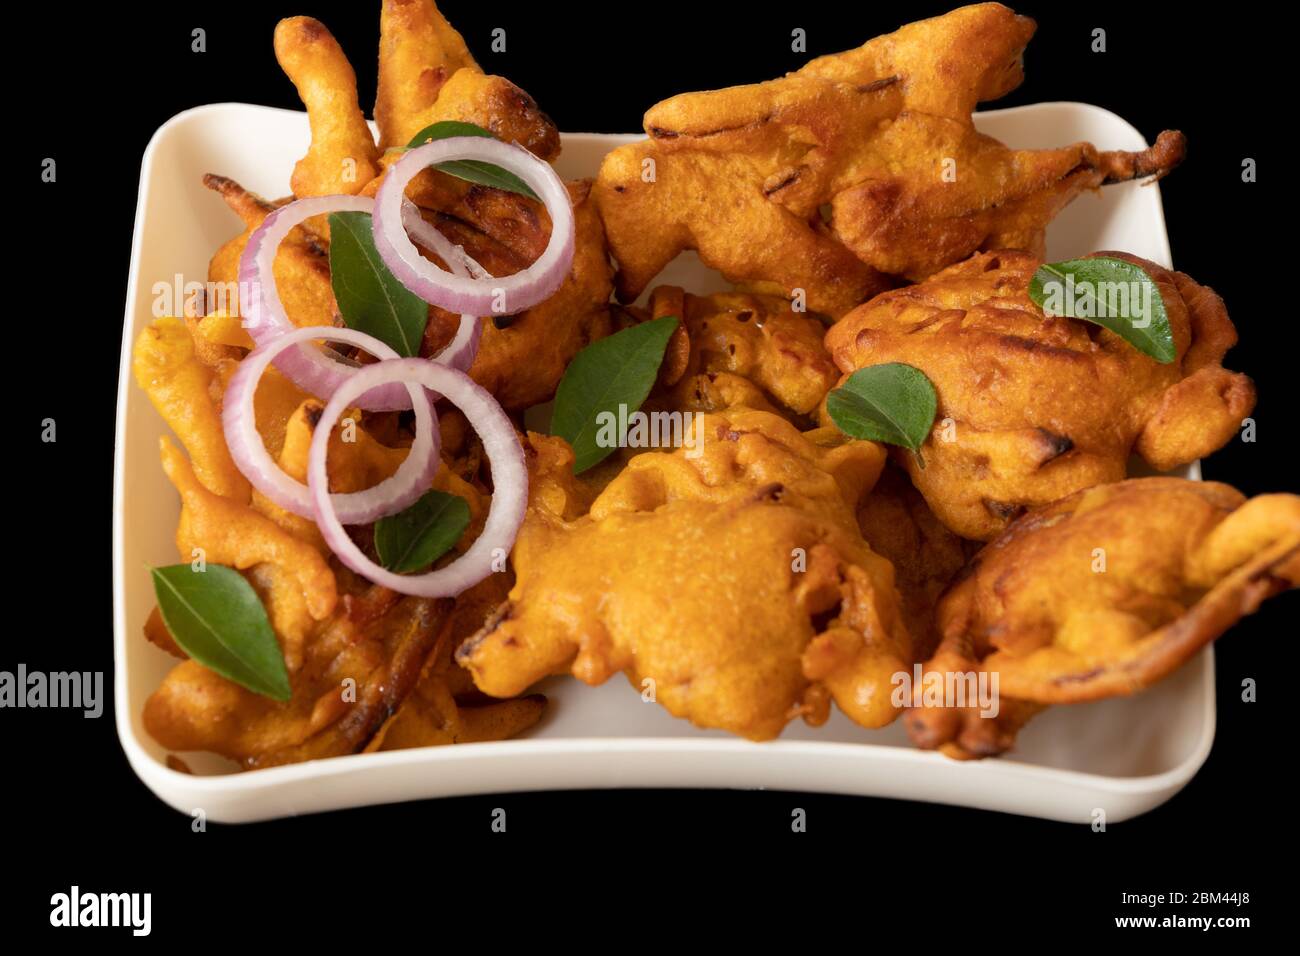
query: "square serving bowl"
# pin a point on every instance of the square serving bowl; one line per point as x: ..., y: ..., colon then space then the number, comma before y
x: 1123, y: 756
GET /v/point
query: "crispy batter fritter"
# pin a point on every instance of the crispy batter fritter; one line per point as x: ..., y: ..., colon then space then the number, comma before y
x: 522, y: 361
x: 858, y: 170
x: 733, y: 587
x: 1104, y: 593
x: 426, y: 76
x: 730, y: 343
x: 1032, y: 408
x: 926, y: 556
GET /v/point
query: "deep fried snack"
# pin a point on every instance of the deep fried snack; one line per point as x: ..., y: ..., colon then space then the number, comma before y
x: 360, y: 663
x: 926, y: 556
x: 418, y: 51
x: 961, y: 733
x: 1032, y: 408
x: 427, y: 75
x: 301, y: 268
x: 342, y: 155
x: 295, y: 582
x: 352, y: 662
x: 1104, y: 593
x: 444, y: 708
x: 859, y: 168
x: 522, y: 362
x: 734, y: 586
x: 179, y: 386
x: 754, y: 337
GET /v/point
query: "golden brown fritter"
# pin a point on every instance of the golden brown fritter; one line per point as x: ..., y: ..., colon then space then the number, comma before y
x: 926, y: 556
x: 1032, y: 408
x: 342, y: 154
x: 301, y: 268
x: 427, y: 75
x: 856, y: 170
x: 359, y: 664
x: 179, y: 386
x: 353, y: 651
x: 418, y: 52
x: 1104, y: 593
x: 757, y: 338
x: 734, y: 587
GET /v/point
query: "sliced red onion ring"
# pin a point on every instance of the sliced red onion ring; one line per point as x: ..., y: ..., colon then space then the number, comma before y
x: 459, y: 353
x: 509, y: 477
x: 428, y: 236
x: 412, y: 479
x: 306, y: 366
x: 503, y: 295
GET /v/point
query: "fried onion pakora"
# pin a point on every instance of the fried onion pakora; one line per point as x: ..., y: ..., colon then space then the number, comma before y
x: 375, y: 646
x: 926, y: 556
x: 858, y: 170
x: 731, y: 344
x: 179, y: 385
x: 1104, y: 593
x: 1031, y: 407
x: 520, y: 362
x: 426, y: 75
x: 342, y: 155
x: 332, y: 627
x: 735, y: 583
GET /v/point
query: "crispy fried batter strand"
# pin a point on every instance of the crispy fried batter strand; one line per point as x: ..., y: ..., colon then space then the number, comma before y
x: 178, y: 385
x: 341, y: 158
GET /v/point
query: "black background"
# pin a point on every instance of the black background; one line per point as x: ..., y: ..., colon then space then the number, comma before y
x: 105, y: 79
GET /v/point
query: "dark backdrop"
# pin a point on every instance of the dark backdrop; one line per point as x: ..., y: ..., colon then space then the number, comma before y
x: 77, y: 813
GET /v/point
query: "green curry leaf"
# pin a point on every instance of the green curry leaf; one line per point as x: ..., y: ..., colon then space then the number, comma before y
x: 422, y: 533
x: 1113, y: 293
x: 217, y: 618
x: 891, y: 403
x: 471, y: 170
x: 611, y: 372
x: 370, y: 298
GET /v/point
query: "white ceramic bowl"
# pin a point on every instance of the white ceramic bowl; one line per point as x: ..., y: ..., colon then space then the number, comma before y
x: 1123, y: 756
